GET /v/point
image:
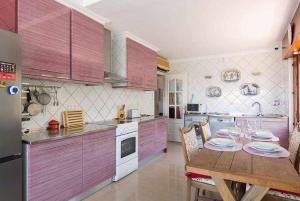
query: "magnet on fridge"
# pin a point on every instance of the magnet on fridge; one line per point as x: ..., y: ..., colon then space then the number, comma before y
x: 2, y: 84
x: 13, y: 90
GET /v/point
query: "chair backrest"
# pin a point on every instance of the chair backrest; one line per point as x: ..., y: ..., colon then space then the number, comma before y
x: 206, y: 133
x: 189, y: 142
x: 297, y: 160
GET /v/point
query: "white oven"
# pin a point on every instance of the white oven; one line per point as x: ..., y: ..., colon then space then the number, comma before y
x: 126, y: 149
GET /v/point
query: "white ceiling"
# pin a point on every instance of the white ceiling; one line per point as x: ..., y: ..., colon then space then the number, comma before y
x: 194, y: 28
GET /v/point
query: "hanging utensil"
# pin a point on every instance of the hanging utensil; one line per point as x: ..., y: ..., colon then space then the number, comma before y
x: 36, y: 93
x: 44, y: 99
x: 57, y: 102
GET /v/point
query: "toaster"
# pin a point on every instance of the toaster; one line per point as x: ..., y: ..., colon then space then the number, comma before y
x: 133, y: 113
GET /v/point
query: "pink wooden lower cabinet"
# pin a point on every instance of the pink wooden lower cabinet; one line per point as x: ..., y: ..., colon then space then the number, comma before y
x: 99, y: 158
x: 55, y: 170
x: 278, y: 126
x: 62, y: 169
x: 152, y: 137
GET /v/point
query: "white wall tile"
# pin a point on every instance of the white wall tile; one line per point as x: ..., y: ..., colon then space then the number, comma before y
x: 273, y: 82
x: 99, y: 102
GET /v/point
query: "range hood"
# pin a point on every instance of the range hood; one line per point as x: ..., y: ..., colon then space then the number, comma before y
x: 109, y: 76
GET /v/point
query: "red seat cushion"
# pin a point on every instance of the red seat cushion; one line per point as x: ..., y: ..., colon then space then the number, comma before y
x: 194, y: 175
x: 282, y: 191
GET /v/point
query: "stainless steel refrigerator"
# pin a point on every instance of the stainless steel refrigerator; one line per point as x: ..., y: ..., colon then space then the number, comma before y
x: 10, y: 119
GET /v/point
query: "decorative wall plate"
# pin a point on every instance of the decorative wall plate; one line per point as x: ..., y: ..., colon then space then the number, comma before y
x: 213, y: 91
x: 249, y: 89
x: 231, y: 75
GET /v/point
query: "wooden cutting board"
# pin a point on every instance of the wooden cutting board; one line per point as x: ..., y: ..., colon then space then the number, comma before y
x: 73, y: 118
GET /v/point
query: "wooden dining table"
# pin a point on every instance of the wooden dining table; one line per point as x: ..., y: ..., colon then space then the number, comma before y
x: 262, y: 173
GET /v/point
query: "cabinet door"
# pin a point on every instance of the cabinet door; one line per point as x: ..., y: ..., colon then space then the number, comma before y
x: 87, y: 49
x: 55, y: 170
x: 146, y: 139
x: 150, y: 76
x: 8, y: 15
x: 99, y: 158
x: 279, y: 128
x: 135, y: 64
x: 161, y: 134
x: 44, y: 26
x: 251, y: 122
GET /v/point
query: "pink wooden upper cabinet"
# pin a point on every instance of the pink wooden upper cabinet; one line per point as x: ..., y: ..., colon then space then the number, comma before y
x: 44, y: 26
x: 99, y: 158
x: 150, y: 68
x: 141, y: 66
x: 135, y: 64
x: 55, y: 170
x: 8, y: 15
x: 87, y: 45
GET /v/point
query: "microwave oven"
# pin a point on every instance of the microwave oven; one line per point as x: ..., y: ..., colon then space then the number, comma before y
x: 194, y: 108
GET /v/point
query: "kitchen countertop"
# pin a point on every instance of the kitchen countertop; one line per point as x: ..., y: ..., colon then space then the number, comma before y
x: 238, y: 115
x: 45, y: 135
x: 115, y: 122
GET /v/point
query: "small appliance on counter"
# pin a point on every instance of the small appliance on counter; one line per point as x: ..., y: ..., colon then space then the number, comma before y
x: 133, y: 113
x: 195, y: 108
x: 53, y: 126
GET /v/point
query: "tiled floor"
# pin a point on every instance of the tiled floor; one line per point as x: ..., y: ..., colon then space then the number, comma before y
x: 160, y: 180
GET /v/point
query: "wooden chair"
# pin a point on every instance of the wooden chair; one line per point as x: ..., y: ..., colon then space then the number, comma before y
x: 278, y: 195
x: 199, y: 182
x: 206, y: 133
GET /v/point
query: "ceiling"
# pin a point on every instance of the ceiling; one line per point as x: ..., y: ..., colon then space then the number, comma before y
x: 194, y: 28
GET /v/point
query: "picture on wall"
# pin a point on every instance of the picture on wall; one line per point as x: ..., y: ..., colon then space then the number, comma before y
x: 213, y: 91
x: 231, y: 75
x: 249, y: 89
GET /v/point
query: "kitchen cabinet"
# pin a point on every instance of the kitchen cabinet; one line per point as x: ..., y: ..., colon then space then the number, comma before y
x: 44, y: 27
x: 152, y: 137
x: 134, y: 61
x: 63, y: 169
x: 8, y: 17
x: 161, y: 133
x: 55, y: 170
x: 141, y: 66
x: 99, y: 158
x: 87, y: 44
x: 146, y: 139
x: 278, y: 126
x: 135, y: 67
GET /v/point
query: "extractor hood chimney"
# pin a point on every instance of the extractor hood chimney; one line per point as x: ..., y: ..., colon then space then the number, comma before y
x: 109, y: 76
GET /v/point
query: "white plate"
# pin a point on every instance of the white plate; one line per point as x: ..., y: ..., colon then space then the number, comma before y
x: 222, y: 142
x: 265, y: 146
x: 263, y: 134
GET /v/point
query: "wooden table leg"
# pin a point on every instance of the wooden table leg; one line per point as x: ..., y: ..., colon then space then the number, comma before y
x: 256, y: 193
x: 224, y: 189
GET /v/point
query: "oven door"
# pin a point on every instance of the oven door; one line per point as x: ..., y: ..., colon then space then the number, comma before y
x: 126, y: 147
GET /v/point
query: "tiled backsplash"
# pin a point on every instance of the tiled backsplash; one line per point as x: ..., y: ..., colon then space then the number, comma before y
x: 99, y: 102
x: 273, y: 82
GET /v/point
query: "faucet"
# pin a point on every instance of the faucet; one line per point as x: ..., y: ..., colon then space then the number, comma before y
x: 259, y: 108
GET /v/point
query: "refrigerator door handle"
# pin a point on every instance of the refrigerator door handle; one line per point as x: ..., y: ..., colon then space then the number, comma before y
x: 10, y: 158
